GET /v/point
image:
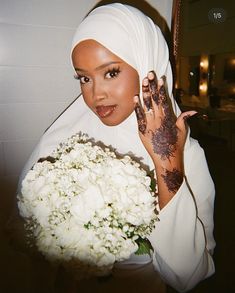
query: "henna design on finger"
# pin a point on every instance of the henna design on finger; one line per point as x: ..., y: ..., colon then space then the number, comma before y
x: 164, y: 139
x: 166, y: 103
x: 162, y: 94
x: 141, y: 120
x: 164, y: 97
x: 148, y: 101
x: 154, y: 91
x: 173, y: 179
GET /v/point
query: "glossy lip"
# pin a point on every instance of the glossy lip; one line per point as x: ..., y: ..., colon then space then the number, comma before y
x: 105, y: 111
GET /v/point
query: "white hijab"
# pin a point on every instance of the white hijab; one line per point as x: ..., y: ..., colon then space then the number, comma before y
x: 133, y: 37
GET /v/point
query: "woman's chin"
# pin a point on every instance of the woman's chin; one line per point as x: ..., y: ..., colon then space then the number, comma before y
x: 109, y: 122
x: 113, y: 121
x: 114, y: 118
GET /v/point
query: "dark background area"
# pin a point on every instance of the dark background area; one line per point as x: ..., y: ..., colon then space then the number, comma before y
x: 221, y: 162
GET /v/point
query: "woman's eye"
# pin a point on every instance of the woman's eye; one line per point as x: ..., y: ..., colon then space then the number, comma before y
x: 82, y: 79
x: 112, y: 73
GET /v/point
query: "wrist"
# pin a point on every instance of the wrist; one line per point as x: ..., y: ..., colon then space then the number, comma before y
x: 170, y: 175
x: 175, y: 162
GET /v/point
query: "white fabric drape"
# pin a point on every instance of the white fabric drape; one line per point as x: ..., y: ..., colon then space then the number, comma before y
x: 183, y: 239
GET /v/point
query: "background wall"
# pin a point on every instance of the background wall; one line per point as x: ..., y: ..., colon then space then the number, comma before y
x: 36, y: 77
x: 207, y: 36
x: 199, y: 36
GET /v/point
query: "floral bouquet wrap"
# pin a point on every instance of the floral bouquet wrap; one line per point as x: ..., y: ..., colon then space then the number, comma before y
x: 87, y: 207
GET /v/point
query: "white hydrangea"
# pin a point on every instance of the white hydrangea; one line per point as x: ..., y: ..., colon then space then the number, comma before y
x: 84, y: 204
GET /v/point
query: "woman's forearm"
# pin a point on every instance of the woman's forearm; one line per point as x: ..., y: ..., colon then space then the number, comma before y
x: 170, y: 174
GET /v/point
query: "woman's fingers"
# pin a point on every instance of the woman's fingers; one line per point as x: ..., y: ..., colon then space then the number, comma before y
x: 157, y: 108
x: 162, y: 134
x: 140, y: 115
x: 148, y: 105
x: 181, y: 121
x: 159, y: 94
x: 153, y: 86
x: 163, y: 93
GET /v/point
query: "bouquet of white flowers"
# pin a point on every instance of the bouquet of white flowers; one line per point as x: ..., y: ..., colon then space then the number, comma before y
x: 85, y: 205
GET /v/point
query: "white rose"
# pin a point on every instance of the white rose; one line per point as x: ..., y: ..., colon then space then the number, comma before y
x: 25, y: 209
x: 85, y: 204
x: 105, y: 212
x: 120, y: 180
x: 128, y: 247
x: 68, y: 237
x: 41, y: 213
x: 106, y: 259
x: 38, y: 184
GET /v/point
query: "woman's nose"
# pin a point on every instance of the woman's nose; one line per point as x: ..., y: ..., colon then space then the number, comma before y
x: 98, y: 91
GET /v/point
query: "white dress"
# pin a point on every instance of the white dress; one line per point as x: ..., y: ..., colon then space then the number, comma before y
x: 183, y: 238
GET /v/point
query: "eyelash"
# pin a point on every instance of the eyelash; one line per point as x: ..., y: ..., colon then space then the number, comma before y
x: 114, y: 71
x: 79, y: 77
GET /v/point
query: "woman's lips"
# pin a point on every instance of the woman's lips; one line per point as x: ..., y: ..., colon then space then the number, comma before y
x: 105, y: 111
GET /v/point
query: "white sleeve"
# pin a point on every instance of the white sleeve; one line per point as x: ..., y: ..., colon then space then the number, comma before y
x: 183, y: 238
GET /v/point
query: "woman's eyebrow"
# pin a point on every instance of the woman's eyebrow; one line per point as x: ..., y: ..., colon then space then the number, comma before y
x: 100, y: 66
x: 107, y: 64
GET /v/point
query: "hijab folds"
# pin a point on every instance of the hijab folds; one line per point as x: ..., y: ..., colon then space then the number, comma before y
x: 133, y: 37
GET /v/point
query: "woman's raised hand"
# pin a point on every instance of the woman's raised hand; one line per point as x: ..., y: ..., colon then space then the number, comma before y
x: 161, y: 132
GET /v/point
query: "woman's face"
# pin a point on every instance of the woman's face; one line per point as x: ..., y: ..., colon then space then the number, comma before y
x: 108, y: 83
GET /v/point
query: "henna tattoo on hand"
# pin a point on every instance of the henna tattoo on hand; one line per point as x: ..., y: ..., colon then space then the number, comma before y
x: 173, y: 179
x: 162, y: 94
x: 148, y: 101
x: 154, y: 91
x: 141, y: 120
x: 164, y: 139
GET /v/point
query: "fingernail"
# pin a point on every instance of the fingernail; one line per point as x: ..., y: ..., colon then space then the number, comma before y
x: 151, y: 75
x: 136, y: 99
x: 200, y: 116
x: 192, y: 113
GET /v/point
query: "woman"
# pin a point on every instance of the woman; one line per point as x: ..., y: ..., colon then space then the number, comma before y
x: 122, y: 62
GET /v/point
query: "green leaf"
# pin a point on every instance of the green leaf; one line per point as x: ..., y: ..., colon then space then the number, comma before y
x: 144, y: 246
x: 153, y: 181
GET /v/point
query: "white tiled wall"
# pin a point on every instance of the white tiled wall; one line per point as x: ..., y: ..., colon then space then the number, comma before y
x: 24, y: 121
x: 56, y: 13
x: 26, y: 45
x: 33, y: 84
x: 36, y: 77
